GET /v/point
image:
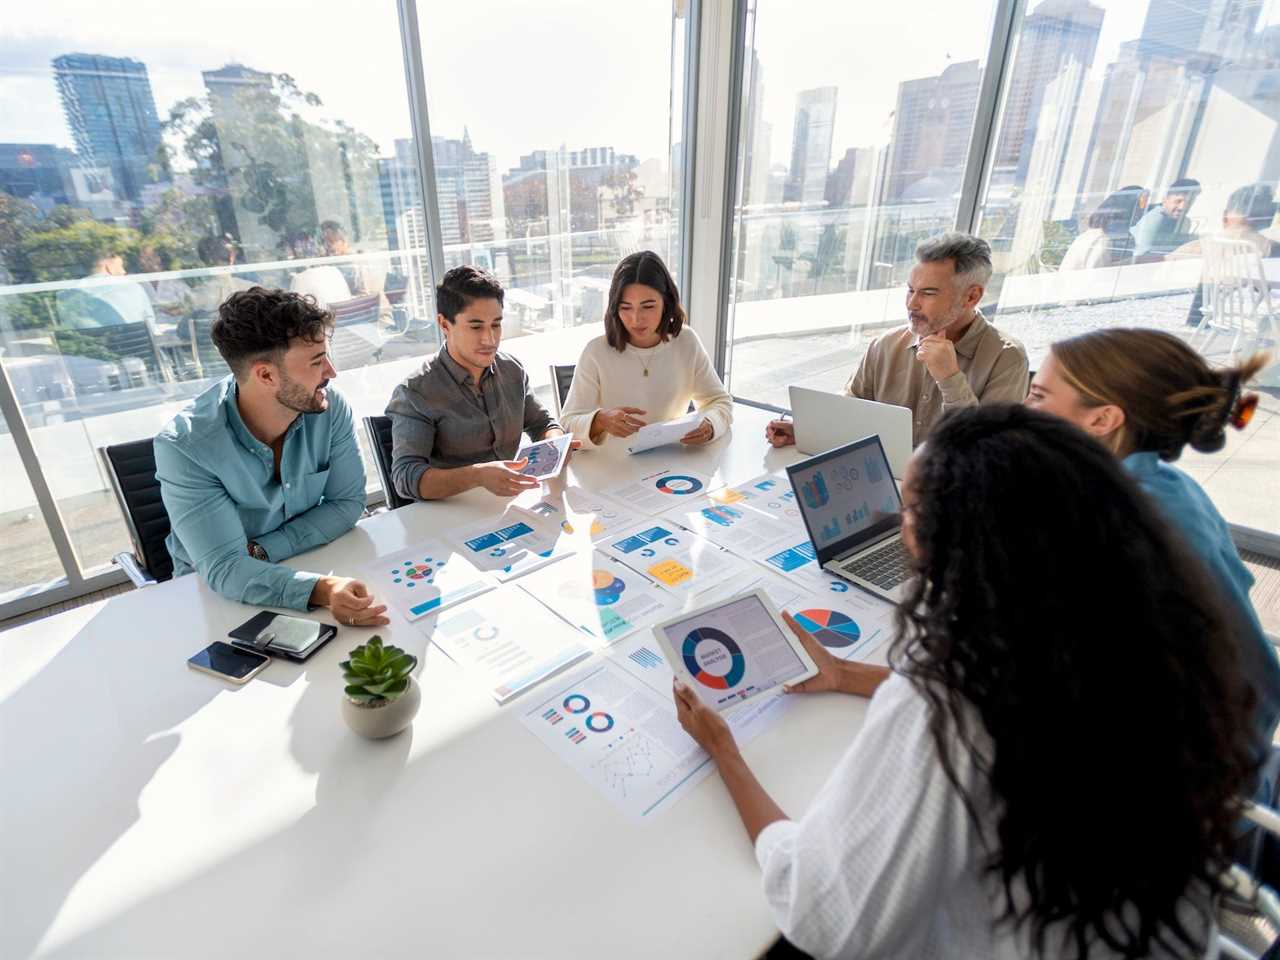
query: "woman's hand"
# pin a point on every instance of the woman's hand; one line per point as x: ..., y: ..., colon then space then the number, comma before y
x: 840, y: 676
x: 618, y: 422
x: 702, y: 433
x: 701, y: 722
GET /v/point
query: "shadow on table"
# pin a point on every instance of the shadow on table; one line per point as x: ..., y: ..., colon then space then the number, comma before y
x: 85, y: 760
x: 295, y: 866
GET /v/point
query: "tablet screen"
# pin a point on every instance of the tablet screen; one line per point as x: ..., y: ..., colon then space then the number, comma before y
x: 733, y: 651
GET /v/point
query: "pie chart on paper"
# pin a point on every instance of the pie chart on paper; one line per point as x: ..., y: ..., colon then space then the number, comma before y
x: 832, y: 628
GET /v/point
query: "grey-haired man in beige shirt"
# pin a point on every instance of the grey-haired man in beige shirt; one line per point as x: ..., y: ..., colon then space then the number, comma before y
x: 948, y: 355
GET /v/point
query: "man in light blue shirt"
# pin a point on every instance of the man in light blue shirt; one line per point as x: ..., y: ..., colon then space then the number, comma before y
x: 264, y: 465
x: 1164, y: 228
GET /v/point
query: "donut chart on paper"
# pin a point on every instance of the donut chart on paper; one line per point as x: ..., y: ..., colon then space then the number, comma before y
x: 576, y: 703
x: 831, y: 628
x: 599, y: 722
x: 679, y: 485
x: 737, y: 662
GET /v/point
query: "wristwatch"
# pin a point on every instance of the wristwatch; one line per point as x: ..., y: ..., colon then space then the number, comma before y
x: 256, y: 551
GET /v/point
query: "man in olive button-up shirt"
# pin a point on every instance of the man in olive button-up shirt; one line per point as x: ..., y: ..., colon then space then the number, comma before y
x: 948, y: 355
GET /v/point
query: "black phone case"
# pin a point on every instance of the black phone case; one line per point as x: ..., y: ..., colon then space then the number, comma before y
x: 245, y: 635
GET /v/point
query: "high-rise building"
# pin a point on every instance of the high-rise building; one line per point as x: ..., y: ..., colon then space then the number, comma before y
x: 1057, y: 42
x: 469, y: 193
x: 756, y: 140
x: 112, y: 116
x: 811, y: 145
x: 1165, y: 100
x: 234, y: 82
x: 932, y: 123
x: 849, y: 184
x: 1180, y: 27
x: 398, y: 189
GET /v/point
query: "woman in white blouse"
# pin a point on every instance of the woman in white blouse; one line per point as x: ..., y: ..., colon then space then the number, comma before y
x: 1052, y: 767
x: 647, y: 367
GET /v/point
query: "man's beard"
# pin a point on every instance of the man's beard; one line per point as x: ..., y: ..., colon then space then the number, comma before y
x: 294, y: 396
x: 952, y: 316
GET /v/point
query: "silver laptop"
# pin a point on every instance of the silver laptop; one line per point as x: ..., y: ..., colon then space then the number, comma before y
x: 826, y: 420
x: 853, y: 513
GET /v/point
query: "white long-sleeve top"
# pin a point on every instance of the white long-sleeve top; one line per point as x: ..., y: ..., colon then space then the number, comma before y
x: 886, y: 862
x: 679, y: 371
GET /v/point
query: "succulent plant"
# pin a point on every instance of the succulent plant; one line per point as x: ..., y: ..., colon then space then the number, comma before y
x: 376, y: 673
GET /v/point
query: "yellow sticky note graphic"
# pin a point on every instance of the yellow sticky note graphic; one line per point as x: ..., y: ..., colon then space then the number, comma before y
x: 671, y: 572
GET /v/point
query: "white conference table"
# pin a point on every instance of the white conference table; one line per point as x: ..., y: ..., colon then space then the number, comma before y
x: 150, y: 810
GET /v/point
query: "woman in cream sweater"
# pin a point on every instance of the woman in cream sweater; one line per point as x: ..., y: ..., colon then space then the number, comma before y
x: 647, y: 367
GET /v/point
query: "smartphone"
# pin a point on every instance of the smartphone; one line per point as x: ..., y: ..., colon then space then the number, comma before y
x: 228, y: 662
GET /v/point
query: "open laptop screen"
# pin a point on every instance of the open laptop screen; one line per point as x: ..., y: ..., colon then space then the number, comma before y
x: 846, y: 496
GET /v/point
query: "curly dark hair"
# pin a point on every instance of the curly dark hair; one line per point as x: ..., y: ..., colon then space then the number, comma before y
x: 461, y: 285
x: 259, y: 324
x: 1064, y: 637
x: 647, y: 268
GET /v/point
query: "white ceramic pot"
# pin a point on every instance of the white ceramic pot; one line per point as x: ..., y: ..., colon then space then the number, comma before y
x: 383, y: 718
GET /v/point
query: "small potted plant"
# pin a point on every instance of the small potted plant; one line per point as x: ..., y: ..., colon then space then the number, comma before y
x: 381, y: 696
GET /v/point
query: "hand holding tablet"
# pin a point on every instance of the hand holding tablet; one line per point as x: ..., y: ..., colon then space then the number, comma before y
x: 733, y: 650
x: 546, y: 458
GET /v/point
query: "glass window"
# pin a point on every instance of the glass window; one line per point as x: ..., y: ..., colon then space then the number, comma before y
x: 31, y: 560
x: 543, y: 179
x: 150, y: 170
x: 1134, y: 178
x: 846, y: 162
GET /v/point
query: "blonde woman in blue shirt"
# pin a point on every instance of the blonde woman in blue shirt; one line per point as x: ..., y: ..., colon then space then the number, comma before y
x: 1147, y: 395
x: 647, y: 367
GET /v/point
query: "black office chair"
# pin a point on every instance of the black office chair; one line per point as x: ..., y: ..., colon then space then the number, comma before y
x: 355, y: 342
x: 132, y: 469
x: 208, y: 361
x: 561, y: 380
x: 126, y: 349
x: 378, y: 429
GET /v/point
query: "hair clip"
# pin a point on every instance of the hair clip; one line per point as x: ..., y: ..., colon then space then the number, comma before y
x: 1243, y: 411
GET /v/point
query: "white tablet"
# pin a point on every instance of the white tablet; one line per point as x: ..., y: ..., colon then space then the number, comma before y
x: 546, y: 457
x: 732, y: 650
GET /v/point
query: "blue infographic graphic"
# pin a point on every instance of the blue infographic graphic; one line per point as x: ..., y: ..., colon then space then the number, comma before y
x: 498, y: 537
x: 642, y: 539
x: 857, y: 514
x: 723, y: 516
x: 646, y: 658
x: 543, y: 458
x: 815, y: 491
x: 793, y: 558
x: 576, y: 703
x: 874, y: 471
x: 608, y: 588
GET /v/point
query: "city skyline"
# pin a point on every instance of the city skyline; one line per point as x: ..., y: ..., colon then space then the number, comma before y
x: 507, y: 119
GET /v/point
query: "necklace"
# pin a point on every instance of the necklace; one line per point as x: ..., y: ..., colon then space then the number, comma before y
x: 643, y: 365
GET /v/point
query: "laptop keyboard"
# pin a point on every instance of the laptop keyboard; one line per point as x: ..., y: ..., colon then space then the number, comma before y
x: 886, y: 567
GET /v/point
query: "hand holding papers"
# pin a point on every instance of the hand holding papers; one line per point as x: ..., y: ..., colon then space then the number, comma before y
x: 661, y: 434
